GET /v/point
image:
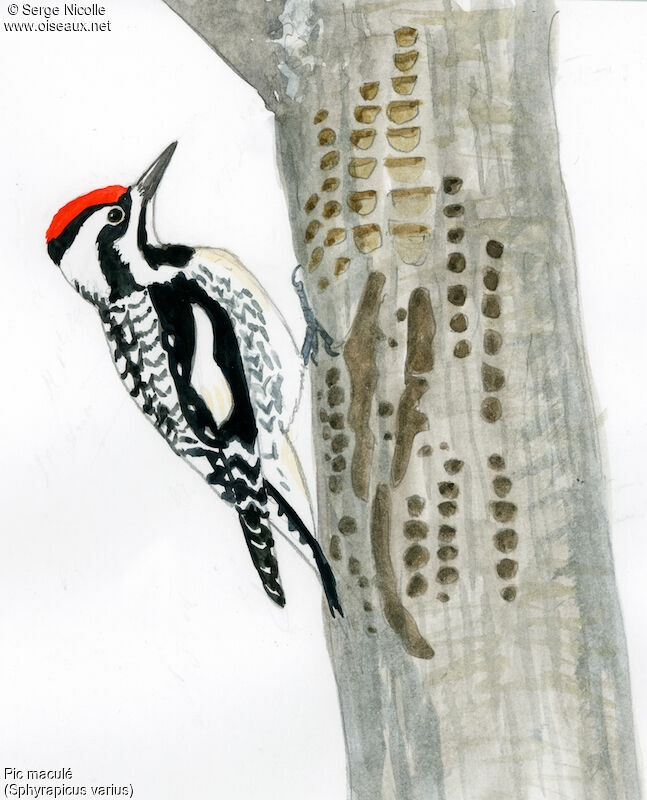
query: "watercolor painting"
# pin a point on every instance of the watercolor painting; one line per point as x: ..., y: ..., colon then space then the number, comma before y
x: 194, y: 339
x: 394, y: 401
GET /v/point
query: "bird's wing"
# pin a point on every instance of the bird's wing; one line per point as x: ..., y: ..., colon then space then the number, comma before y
x: 271, y: 358
x: 207, y: 378
x: 206, y: 365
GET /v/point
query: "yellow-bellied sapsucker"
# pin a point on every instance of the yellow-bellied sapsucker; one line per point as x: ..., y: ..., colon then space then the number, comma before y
x: 204, y: 353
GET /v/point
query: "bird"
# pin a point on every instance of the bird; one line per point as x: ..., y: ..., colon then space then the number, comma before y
x: 206, y: 356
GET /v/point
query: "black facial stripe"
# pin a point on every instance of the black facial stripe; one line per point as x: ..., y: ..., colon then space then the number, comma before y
x: 59, y: 246
x: 116, y: 272
x: 171, y: 255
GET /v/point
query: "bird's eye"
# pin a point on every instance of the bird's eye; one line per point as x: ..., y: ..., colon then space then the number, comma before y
x: 116, y: 215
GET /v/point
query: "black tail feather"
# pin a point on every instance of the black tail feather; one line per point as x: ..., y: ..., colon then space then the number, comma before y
x: 325, y: 571
x: 260, y: 544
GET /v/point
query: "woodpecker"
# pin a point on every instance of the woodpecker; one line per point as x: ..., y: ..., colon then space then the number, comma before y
x: 206, y: 356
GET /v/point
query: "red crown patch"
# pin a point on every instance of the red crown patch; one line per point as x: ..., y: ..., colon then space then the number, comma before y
x: 65, y: 215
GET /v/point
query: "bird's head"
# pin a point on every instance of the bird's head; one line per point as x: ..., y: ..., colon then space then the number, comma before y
x: 100, y: 240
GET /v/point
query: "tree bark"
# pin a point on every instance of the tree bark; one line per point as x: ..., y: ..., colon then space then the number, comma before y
x: 460, y: 492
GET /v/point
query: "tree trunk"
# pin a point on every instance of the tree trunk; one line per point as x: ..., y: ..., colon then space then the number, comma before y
x: 461, y: 498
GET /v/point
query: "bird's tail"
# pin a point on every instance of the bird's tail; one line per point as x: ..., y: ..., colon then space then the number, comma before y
x: 305, y: 537
x: 260, y: 544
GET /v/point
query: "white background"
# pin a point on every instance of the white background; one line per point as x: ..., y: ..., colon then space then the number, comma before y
x: 136, y: 644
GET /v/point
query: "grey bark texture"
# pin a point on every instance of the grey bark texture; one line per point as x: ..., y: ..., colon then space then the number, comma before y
x: 460, y: 492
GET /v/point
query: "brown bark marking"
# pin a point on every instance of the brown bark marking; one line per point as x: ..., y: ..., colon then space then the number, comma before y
x: 455, y: 210
x: 330, y: 160
x: 421, y: 329
x: 395, y: 613
x: 339, y: 443
x: 315, y: 259
x: 400, y: 111
x: 506, y: 569
x: 456, y: 262
x: 366, y: 114
x: 491, y: 409
x: 496, y: 462
x: 448, y: 508
x: 455, y: 235
x: 330, y: 184
x: 335, y: 547
x: 403, y: 139
x: 492, y: 341
x: 462, y: 349
x: 502, y: 511
x: 405, y: 61
x: 410, y: 422
x: 447, y: 553
x: 369, y: 90
x: 326, y: 136
x: 367, y: 238
x: 331, y: 209
x: 320, y: 116
x: 492, y: 377
x: 334, y: 236
x: 506, y: 540
x: 406, y: 36
x: 491, y: 306
x: 501, y: 486
x: 404, y: 84
x: 416, y: 556
x: 491, y: 279
x: 311, y: 202
x: 347, y: 526
x: 457, y: 295
x: 362, y: 202
x: 415, y: 505
x: 411, y: 202
x: 509, y: 593
x: 336, y: 421
x: 415, y: 529
x: 335, y: 396
x: 407, y: 169
x: 363, y: 138
x: 411, y: 241
x: 417, y: 585
x: 458, y: 323
x: 360, y: 358
x: 341, y: 265
x: 447, y: 575
x: 446, y: 533
x: 452, y: 185
x: 311, y: 230
x: 453, y: 466
x: 494, y: 249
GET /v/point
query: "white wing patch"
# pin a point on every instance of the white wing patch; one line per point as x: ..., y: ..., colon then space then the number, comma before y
x: 206, y: 376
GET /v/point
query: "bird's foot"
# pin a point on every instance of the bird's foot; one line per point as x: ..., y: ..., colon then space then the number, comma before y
x: 314, y: 329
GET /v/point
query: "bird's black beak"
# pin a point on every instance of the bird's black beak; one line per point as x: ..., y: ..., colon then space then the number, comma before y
x: 150, y: 180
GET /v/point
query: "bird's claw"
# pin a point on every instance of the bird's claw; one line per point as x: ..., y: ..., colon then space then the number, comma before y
x: 314, y: 329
